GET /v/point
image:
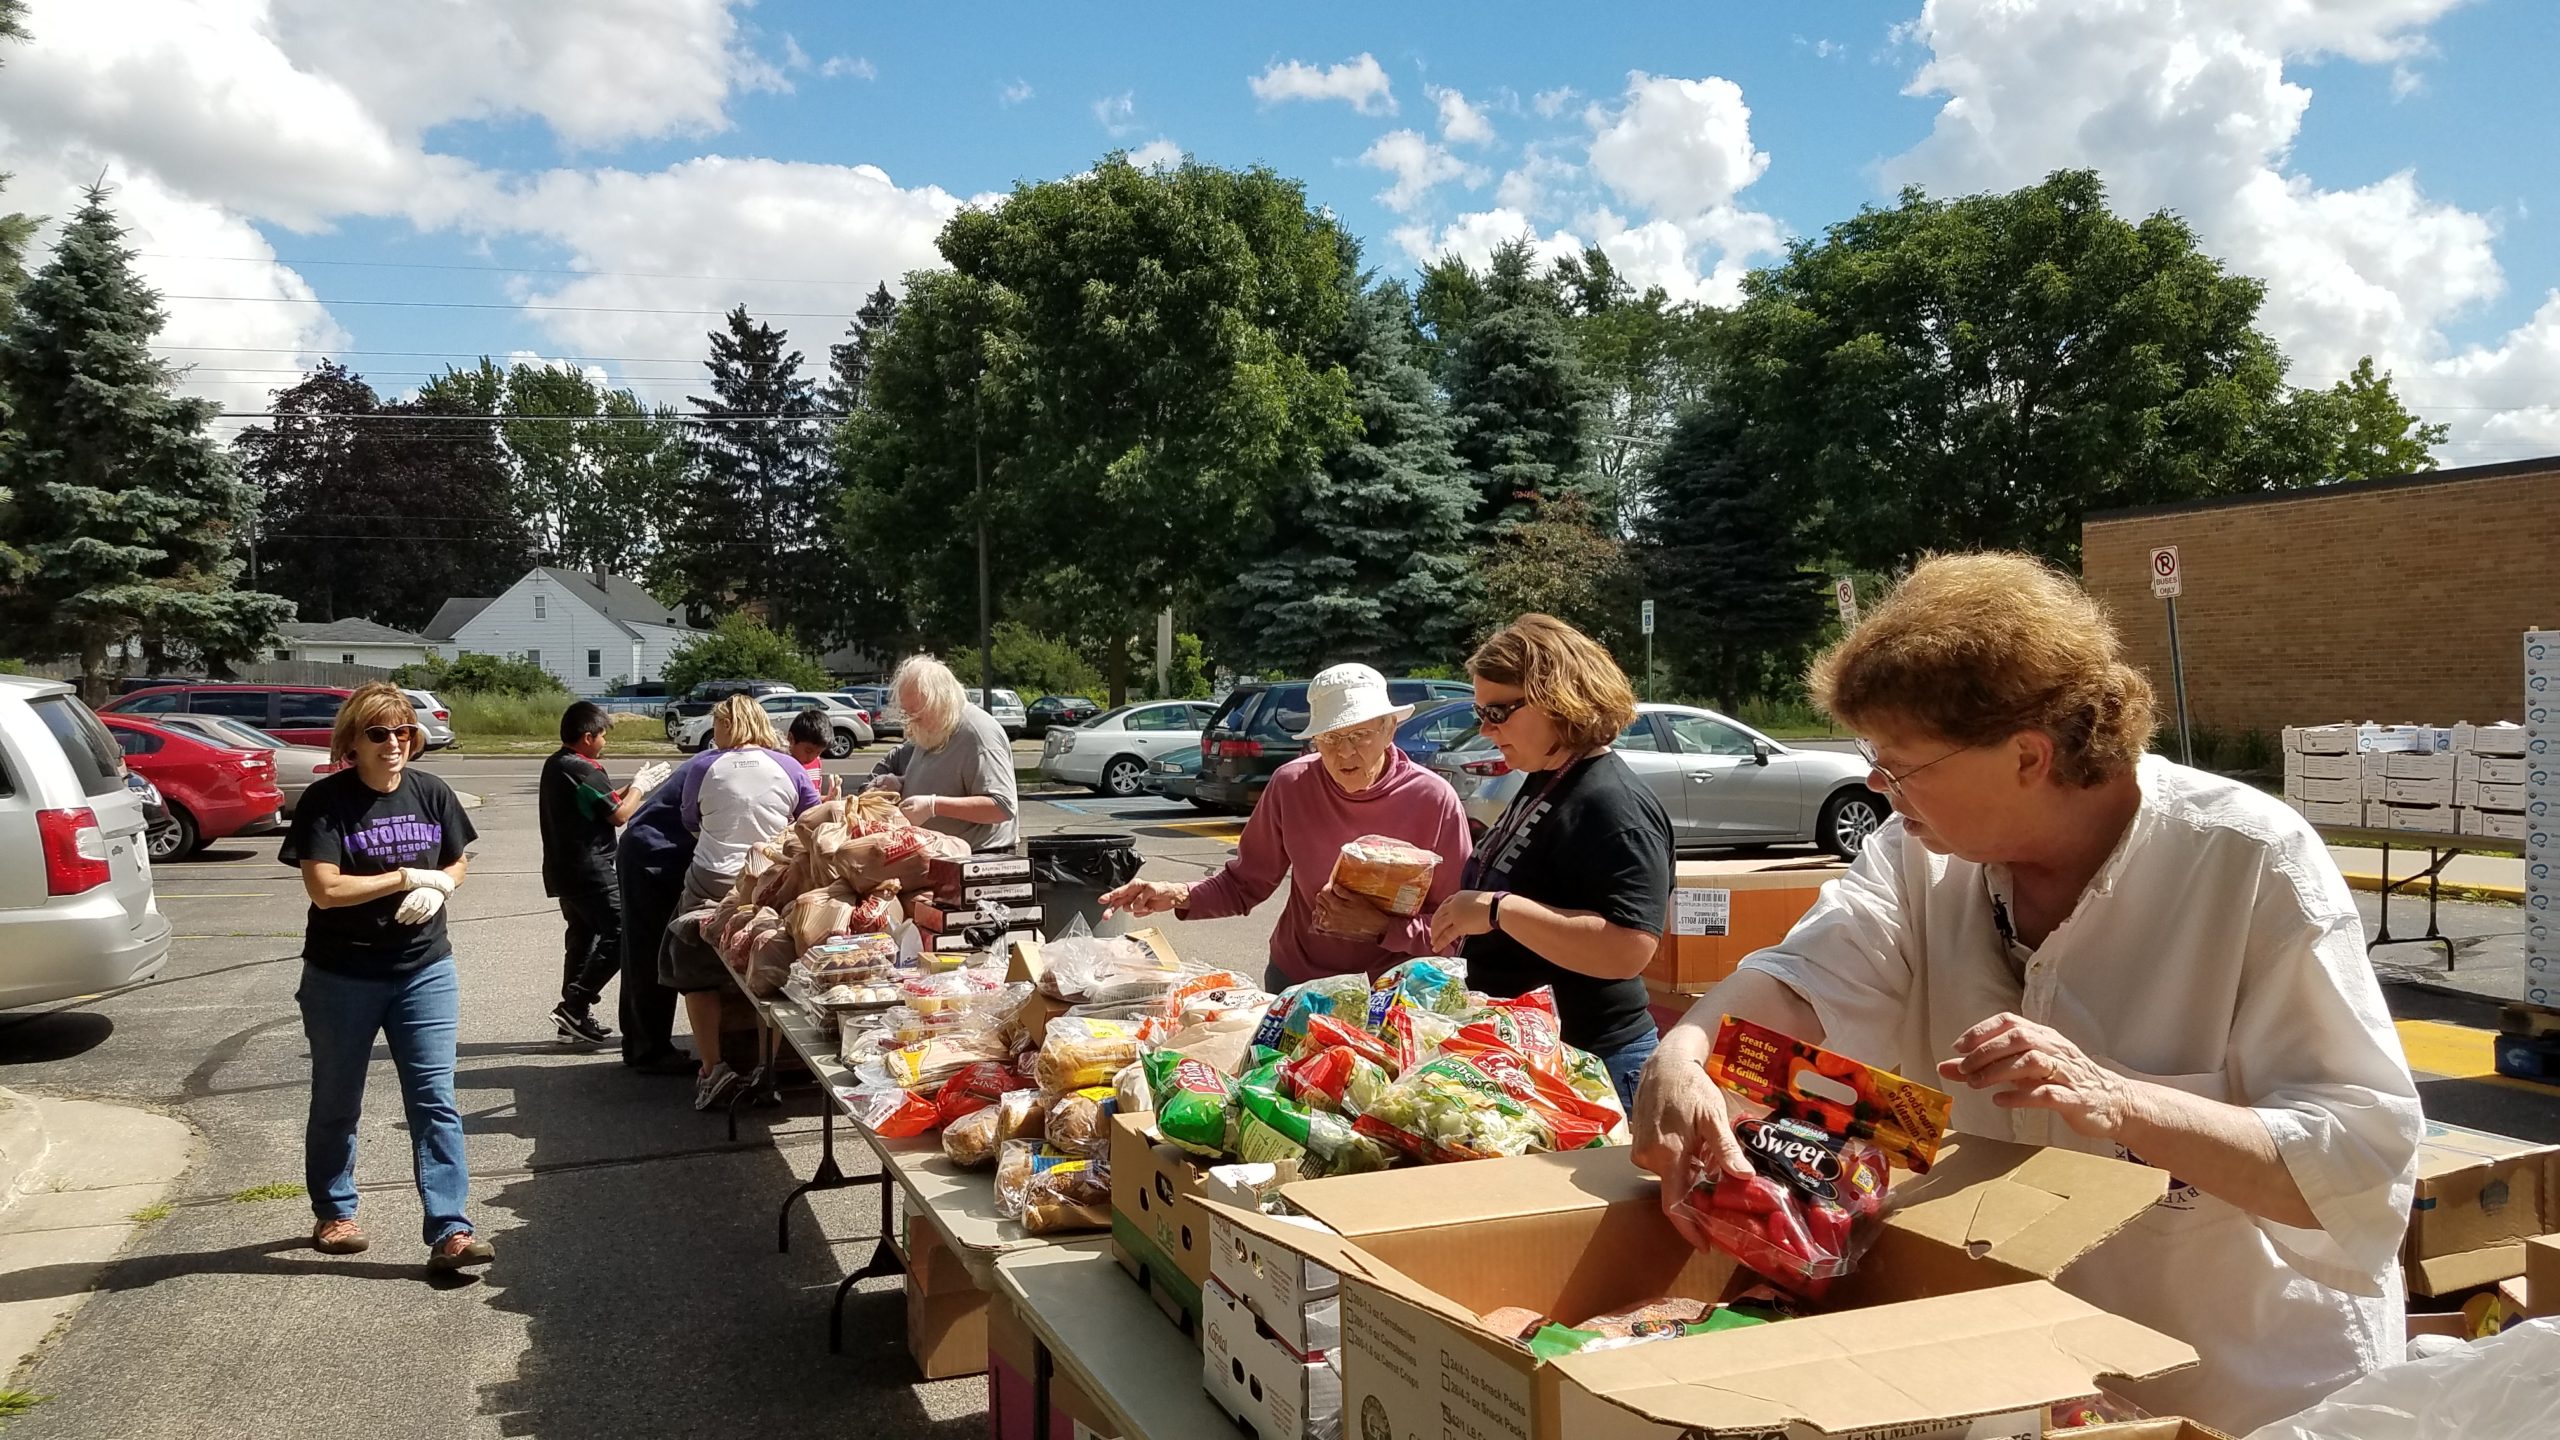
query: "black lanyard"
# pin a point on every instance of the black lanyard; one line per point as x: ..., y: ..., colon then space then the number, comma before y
x: 1508, y: 828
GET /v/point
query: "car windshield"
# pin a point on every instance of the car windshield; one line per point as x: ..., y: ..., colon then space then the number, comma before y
x: 234, y: 732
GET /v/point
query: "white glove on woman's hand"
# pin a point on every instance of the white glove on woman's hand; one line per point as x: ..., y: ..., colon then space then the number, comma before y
x: 651, y: 776
x: 420, y: 878
x: 419, y: 907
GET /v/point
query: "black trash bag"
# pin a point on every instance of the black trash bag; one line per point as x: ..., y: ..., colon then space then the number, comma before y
x: 1074, y: 872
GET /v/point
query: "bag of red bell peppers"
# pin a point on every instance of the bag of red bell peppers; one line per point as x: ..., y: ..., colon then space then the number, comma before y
x: 1814, y: 1198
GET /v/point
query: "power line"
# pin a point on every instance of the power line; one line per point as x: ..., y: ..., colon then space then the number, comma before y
x: 301, y: 263
x: 510, y: 306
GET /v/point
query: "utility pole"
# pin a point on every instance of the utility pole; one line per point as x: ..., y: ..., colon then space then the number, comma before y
x: 978, y: 466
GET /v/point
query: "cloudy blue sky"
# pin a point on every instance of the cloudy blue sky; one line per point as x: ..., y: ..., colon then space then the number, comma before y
x: 400, y: 185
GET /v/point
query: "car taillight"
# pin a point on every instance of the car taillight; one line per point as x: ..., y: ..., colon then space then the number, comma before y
x: 330, y: 767
x: 1240, y: 749
x: 1495, y: 766
x: 75, y: 851
x: 444, y: 714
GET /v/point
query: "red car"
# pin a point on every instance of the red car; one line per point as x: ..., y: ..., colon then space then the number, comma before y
x: 213, y: 791
x: 294, y: 714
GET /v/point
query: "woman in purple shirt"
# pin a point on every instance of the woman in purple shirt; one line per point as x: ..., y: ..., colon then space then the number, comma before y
x: 1356, y: 782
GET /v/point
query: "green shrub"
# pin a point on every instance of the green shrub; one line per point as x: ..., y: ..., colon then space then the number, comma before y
x: 484, y: 674
x: 478, y: 714
x: 743, y: 648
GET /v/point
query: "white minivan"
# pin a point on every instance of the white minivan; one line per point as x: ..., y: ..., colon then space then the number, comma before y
x: 77, y: 913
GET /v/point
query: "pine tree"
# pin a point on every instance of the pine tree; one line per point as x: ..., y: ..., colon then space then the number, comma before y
x: 126, y: 511
x: 848, y: 386
x: 384, y: 511
x: 1726, y: 555
x: 756, y: 526
x: 1370, y: 559
x: 1517, y: 392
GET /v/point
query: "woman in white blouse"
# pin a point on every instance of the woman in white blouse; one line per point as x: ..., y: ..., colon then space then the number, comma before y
x: 2095, y: 948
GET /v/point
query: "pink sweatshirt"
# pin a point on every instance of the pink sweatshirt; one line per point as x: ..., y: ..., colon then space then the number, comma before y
x: 1299, y: 828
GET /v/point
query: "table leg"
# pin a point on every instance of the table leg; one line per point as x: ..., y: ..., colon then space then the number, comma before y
x: 2438, y: 857
x: 883, y: 1261
x: 828, y: 1176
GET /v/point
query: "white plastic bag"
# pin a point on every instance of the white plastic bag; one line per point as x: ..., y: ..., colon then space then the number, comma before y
x: 2506, y: 1387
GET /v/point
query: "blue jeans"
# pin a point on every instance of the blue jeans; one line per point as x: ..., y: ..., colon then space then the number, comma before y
x: 1626, y: 1066
x: 419, y: 1014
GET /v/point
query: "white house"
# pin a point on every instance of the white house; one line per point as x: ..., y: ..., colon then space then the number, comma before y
x: 593, y: 631
x: 350, y: 642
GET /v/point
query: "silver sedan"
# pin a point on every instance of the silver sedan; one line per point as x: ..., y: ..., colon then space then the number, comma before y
x: 1721, y: 782
x: 296, y: 765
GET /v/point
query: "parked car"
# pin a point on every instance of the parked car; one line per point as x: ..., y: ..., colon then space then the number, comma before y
x: 857, y: 705
x: 1255, y: 731
x: 215, y: 791
x: 851, y: 730
x: 1110, y: 753
x: 873, y: 700
x: 1434, y: 728
x: 156, y: 825
x: 296, y: 765
x: 1053, y: 712
x: 131, y: 683
x: 1008, y: 713
x: 77, y: 913
x: 294, y: 714
x: 1722, y: 783
x: 437, y: 720
x: 1176, y: 776
x: 698, y: 701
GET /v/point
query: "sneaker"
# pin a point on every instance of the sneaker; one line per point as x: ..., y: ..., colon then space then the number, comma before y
x: 578, y: 1023
x: 339, y: 1237
x: 716, y: 1087
x: 460, y: 1250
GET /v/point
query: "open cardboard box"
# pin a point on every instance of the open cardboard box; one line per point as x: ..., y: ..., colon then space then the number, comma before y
x: 1722, y: 910
x: 2480, y: 1197
x: 1950, y: 1318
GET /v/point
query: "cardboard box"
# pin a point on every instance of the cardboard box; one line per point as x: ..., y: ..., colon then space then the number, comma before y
x: 2480, y: 1197
x: 1013, y: 1360
x: 1159, y: 1232
x: 1270, y: 1390
x: 2506, y: 738
x: 2376, y: 788
x: 1296, y: 1299
x: 957, y: 941
x: 2399, y: 791
x: 2332, y: 791
x: 2492, y: 769
x: 2420, y: 819
x: 1073, y: 1414
x: 935, y: 918
x: 2507, y: 798
x: 2542, y: 1277
x: 932, y: 1267
x: 2427, y: 765
x: 1722, y: 910
x: 947, y: 1333
x: 2168, y: 1428
x: 2320, y: 739
x: 1957, y: 1287
x: 2494, y: 824
x: 2323, y: 767
x: 2342, y: 812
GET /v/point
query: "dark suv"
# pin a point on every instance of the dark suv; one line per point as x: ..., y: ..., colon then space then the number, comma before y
x: 700, y: 699
x: 1254, y: 732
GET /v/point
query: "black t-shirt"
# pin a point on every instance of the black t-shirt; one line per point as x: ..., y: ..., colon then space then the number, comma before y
x: 1589, y: 838
x: 575, y: 804
x: 344, y: 822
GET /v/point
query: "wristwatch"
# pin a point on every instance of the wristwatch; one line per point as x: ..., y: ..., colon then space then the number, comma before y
x: 1493, y: 911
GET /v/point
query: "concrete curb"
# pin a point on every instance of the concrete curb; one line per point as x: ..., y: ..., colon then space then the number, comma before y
x: 23, y: 1142
x: 469, y: 800
x: 2448, y: 889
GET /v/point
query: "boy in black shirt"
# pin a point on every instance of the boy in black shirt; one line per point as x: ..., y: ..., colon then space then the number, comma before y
x: 579, y: 813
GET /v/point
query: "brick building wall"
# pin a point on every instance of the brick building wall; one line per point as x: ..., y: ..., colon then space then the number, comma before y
x: 2395, y: 600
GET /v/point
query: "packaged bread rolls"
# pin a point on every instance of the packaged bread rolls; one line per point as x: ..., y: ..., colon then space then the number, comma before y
x: 1388, y: 871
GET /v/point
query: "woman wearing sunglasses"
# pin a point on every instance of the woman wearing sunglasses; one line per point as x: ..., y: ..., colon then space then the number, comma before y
x: 380, y: 846
x: 1569, y: 887
x: 2093, y: 948
x: 1355, y: 783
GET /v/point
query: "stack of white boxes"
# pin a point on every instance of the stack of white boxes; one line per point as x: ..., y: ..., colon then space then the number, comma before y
x: 1271, y: 1337
x: 2425, y: 779
x: 2323, y: 777
x: 2490, y: 775
x: 2409, y: 779
x: 2542, y: 817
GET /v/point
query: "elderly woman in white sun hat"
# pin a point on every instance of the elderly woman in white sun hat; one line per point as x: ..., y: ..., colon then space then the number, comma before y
x: 1353, y: 782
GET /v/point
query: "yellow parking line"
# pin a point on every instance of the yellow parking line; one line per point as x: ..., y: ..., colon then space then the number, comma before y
x: 1227, y: 830
x: 2456, y: 1052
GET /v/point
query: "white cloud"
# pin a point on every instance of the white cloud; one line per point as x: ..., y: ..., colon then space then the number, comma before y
x: 854, y: 67
x: 1676, y: 146
x: 1015, y: 93
x: 1460, y: 122
x: 1360, y: 81
x: 1551, y: 103
x: 1418, y: 165
x: 2406, y: 82
x: 1473, y: 238
x: 1157, y: 154
x: 1531, y: 186
x: 1117, y: 113
x: 2190, y: 108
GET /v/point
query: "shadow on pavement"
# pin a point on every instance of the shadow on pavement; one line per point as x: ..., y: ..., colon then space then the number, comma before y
x: 291, y: 1257
x: 653, y: 1298
x: 49, y: 1036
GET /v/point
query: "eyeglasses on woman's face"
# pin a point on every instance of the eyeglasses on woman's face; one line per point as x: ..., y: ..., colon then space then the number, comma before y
x: 1893, y: 782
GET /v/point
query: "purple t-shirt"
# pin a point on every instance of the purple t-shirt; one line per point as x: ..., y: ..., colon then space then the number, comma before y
x: 344, y: 822
x: 1298, y: 830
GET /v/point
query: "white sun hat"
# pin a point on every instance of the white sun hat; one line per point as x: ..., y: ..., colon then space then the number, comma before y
x: 1345, y: 695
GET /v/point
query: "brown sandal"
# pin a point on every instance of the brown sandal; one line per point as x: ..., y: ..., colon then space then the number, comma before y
x: 339, y: 1237
x: 460, y: 1249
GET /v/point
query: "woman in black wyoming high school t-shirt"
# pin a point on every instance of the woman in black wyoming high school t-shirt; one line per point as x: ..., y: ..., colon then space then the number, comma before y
x: 380, y: 846
x: 1568, y: 888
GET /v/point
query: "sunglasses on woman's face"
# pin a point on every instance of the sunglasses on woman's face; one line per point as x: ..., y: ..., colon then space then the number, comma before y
x: 385, y: 734
x: 1498, y: 712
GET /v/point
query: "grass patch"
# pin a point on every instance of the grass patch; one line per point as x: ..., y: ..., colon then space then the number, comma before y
x: 156, y: 1210
x: 281, y: 1190
x: 19, y: 1402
